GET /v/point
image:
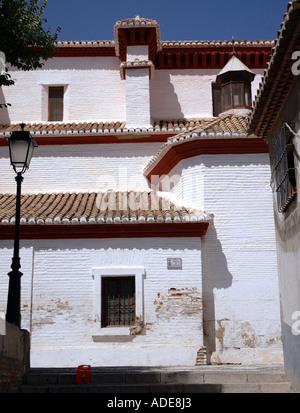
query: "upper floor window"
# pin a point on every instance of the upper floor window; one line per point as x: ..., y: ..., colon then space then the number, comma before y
x: 55, y: 103
x: 232, y: 89
x: 236, y: 95
x: 284, y: 169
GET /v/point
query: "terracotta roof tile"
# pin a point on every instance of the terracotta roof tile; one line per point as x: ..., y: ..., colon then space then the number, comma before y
x: 97, y: 208
x: 85, y: 43
x: 278, y: 77
x: 170, y: 43
x: 225, y: 125
x: 231, y: 123
x: 135, y: 22
x: 218, y: 43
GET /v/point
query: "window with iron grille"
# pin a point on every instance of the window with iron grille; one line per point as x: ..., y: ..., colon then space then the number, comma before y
x: 118, y: 301
x: 285, y: 177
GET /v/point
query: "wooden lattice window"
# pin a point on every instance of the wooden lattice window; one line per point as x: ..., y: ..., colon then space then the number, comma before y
x: 285, y: 177
x: 118, y: 301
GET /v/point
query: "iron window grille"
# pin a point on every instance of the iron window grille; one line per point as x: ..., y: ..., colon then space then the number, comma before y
x: 285, y: 177
x: 118, y: 301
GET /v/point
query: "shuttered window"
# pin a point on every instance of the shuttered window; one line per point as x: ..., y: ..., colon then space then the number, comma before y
x: 285, y: 178
x: 55, y: 107
x: 118, y: 301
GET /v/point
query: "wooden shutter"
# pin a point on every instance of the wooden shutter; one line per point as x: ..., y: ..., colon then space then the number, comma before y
x: 55, y: 108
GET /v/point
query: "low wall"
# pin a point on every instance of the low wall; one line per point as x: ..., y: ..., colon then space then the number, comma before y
x: 14, y: 356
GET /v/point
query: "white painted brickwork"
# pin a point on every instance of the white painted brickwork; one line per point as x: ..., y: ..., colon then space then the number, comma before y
x: 94, y: 91
x: 226, y: 295
x: 177, y: 94
x: 137, y: 53
x: 236, y: 277
x: 137, y: 98
x: 238, y: 266
x: 240, y: 282
x: 65, y: 168
x: 63, y: 302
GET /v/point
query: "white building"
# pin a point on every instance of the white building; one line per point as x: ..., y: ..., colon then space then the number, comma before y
x: 147, y: 233
x: 276, y: 119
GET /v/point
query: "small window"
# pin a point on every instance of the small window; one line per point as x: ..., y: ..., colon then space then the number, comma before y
x: 285, y: 177
x: 227, y: 97
x: 118, y: 304
x: 118, y: 301
x: 237, y: 95
x: 234, y: 95
x: 55, y: 109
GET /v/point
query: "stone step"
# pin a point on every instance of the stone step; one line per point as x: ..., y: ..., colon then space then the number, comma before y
x: 204, y: 379
x: 163, y: 388
x: 174, y: 388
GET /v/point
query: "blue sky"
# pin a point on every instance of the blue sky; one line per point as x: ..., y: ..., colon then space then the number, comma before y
x: 178, y: 19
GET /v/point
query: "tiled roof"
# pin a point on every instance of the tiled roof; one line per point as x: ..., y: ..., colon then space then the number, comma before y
x: 97, y: 208
x: 222, y: 124
x: 214, y: 43
x: 136, y: 22
x: 225, y: 125
x: 169, y: 43
x: 278, y: 78
x: 85, y: 43
x: 137, y: 64
x: 62, y: 128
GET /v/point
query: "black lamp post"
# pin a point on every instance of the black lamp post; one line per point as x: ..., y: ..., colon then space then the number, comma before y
x: 21, y: 146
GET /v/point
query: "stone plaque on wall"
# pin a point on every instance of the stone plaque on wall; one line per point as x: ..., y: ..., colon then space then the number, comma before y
x: 174, y: 263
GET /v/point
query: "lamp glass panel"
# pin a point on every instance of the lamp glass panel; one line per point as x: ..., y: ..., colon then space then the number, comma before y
x: 18, y: 152
x: 29, y: 153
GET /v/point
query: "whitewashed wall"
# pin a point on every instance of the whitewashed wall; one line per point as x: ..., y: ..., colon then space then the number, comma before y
x: 240, y: 280
x: 236, y: 269
x: 62, y: 322
x: 287, y: 226
x: 65, y: 168
x: 177, y: 94
x: 237, y: 264
x: 137, y: 98
x: 94, y: 91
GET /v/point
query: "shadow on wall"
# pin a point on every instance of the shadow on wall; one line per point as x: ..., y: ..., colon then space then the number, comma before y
x: 291, y: 345
x: 215, y: 274
x: 4, y: 115
x: 164, y: 102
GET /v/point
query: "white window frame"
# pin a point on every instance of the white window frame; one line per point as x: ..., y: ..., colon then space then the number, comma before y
x: 119, y: 271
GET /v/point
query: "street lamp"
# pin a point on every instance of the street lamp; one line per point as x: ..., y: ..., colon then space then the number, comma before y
x: 21, y: 146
